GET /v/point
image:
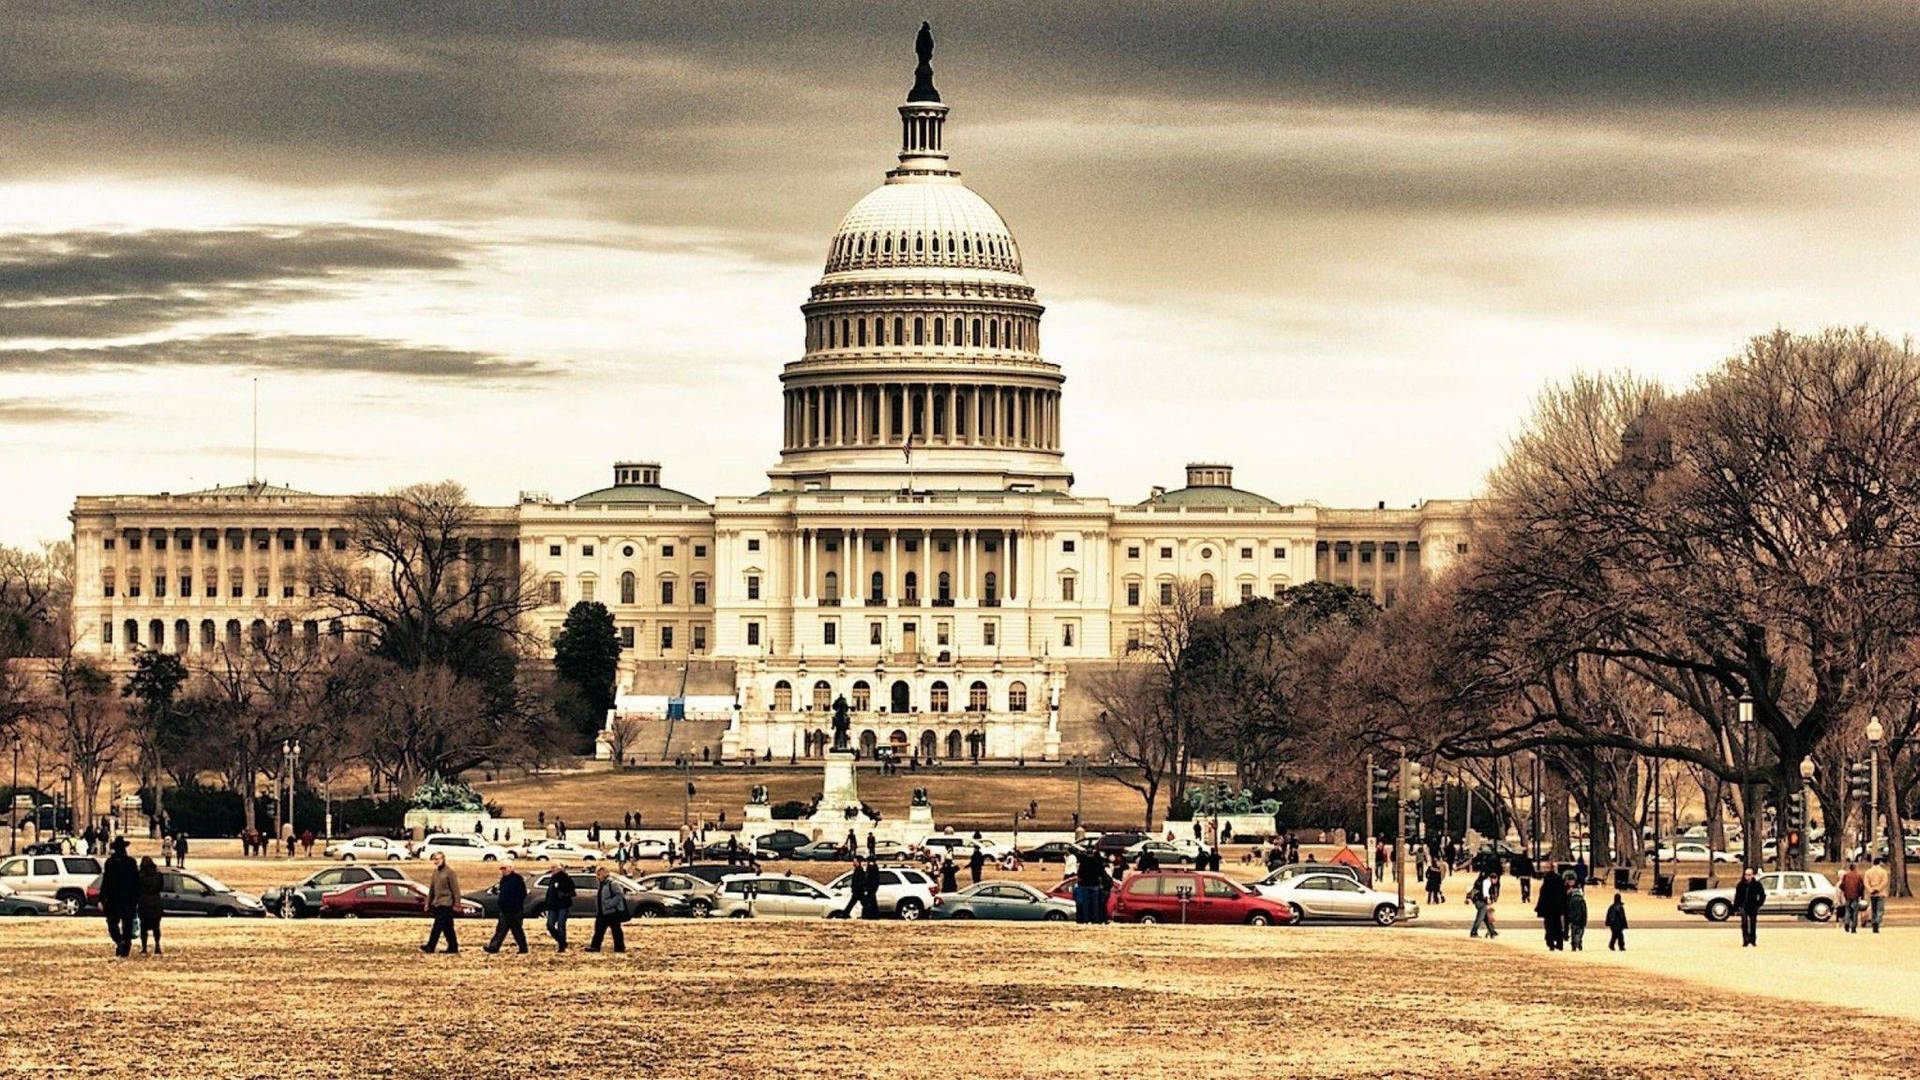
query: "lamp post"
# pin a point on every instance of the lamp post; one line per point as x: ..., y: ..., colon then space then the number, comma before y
x: 1806, y: 811
x: 1749, y: 851
x: 1659, y: 716
x: 290, y: 751
x: 13, y: 801
x: 1875, y: 733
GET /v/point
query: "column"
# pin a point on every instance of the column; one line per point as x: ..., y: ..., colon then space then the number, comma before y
x: 953, y: 413
x: 860, y: 416
x: 893, y: 563
x: 963, y: 557
x: 854, y: 590
x: 927, y: 591
x: 1013, y: 565
x: 813, y: 562
x: 1006, y: 563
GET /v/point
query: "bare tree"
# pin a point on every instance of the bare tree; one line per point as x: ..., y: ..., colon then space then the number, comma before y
x: 623, y: 733
x: 90, y: 725
x: 1140, y: 729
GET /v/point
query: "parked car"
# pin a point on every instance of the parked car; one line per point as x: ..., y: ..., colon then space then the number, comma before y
x: 1280, y: 874
x: 713, y: 873
x: 763, y: 895
x: 369, y: 848
x: 779, y: 844
x: 961, y: 847
x: 189, y: 892
x: 1687, y: 851
x: 718, y: 850
x: 1109, y: 843
x: 62, y: 877
x: 19, y: 903
x: 1192, y: 897
x: 1790, y: 892
x: 457, y: 847
x: 651, y: 849
x: 385, y: 899
x: 560, y: 851
x: 1166, y: 854
x: 698, y: 894
x: 1337, y: 896
x: 904, y: 892
x: 642, y: 903
x: 302, y: 898
x: 1011, y: 901
x: 820, y: 851
x: 1053, y: 851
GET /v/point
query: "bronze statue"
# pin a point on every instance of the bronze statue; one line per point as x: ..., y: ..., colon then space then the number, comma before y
x: 923, y: 75
x: 841, y: 723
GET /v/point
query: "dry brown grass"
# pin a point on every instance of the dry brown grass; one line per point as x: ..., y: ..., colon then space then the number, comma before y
x: 310, y: 999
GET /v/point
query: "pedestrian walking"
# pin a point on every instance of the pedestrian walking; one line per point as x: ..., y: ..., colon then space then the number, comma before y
x: 1522, y: 868
x: 1551, y: 906
x: 149, y: 907
x: 609, y: 912
x: 512, y: 899
x: 180, y: 848
x: 1577, y: 918
x: 1090, y: 873
x: 1876, y: 881
x: 120, y: 896
x: 949, y: 875
x: 1617, y: 924
x: 1477, y: 896
x: 976, y: 863
x: 870, y: 895
x: 1747, y: 898
x: 1853, y: 890
x: 1434, y: 877
x: 443, y: 895
x: 559, y: 901
x: 856, y: 887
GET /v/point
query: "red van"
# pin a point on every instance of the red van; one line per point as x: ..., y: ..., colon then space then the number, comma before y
x: 1175, y: 896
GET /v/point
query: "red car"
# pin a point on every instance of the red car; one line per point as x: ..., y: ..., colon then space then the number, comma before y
x: 1174, y: 896
x: 385, y: 899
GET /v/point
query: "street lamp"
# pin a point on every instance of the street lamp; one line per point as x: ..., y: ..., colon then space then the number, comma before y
x: 1806, y: 811
x: 1749, y: 853
x: 1875, y: 733
x: 1659, y: 716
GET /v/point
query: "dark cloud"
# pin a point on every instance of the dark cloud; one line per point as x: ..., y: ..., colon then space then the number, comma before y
x: 32, y: 411
x: 303, y: 354
x: 97, y: 284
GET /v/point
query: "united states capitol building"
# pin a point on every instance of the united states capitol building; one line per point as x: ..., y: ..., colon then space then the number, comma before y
x: 918, y: 548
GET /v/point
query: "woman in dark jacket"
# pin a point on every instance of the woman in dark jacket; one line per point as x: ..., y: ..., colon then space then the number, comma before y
x: 150, y: 907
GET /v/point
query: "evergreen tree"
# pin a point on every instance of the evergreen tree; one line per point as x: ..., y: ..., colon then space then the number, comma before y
x: 586, y: 657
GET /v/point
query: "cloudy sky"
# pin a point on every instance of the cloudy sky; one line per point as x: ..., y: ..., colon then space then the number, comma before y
x: 1338, y: 244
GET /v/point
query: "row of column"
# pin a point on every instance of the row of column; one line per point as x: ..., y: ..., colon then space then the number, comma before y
x: 971, y: 563
x: 937, y: 414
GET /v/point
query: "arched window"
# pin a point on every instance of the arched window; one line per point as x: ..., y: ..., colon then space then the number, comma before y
x: 879, y: 331
x: 899, y: 326
x: 879, y: 586
x: 233, y: 633
x: 976, y: 333
x: 911, y: 584
x: 1206, y: 590
x: 869, y: 742
x: 1016, y: 697
x: 955, y: 745
x: 919, y: 330
x: 626, y: 587
x: 182, y: 634
x: 783, y: 696
x: 861, y: 330
x: 283, y: 630
x: 257, y: 633
x: 131, y: 631
x: 937, y: 697
x: 156, y: 634
x: 929, y: 745
x: 991, y: 592
x: 939, y: 331
x: 959, y: 331
x: 945, y: 585
x: 977, y: 697
x: 822, y: 695
x: 862, y: 696
x: 902, y: 697
x: 830, y: 588
x: 208, y: 634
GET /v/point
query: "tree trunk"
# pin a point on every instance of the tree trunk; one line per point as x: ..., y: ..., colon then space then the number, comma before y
x: 1896, y: 835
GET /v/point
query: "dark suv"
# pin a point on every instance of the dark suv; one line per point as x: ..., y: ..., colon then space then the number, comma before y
x: 1114, y: 843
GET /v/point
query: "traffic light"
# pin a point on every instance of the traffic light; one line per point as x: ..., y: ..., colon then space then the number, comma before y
x: 1382, y: 783
x: 1857, y: 780
x: 1410, y: 776
x: 1796, y: 804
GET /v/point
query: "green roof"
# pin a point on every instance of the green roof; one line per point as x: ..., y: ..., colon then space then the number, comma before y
x: 1209, y: 497
x: 259, y: 487
x: 636, y: 495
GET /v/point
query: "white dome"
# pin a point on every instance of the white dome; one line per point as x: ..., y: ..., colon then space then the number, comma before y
x: 923, y: 224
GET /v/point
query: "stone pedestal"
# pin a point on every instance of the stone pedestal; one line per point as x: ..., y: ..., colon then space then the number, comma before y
x: 840, y: 787
x: 919, y: 820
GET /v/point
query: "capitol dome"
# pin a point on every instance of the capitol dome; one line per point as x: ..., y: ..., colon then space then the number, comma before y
x: 920, y: 222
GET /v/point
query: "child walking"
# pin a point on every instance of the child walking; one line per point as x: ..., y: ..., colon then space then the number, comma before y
x: 1617, y: 924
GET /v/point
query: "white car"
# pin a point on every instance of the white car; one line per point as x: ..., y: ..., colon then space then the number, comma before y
x: 650, y: 849
x: 564, y: 850
x: 366, y: 847
x: 457, y: 847
x: 961, y: 847
x: 1187, y: 849
x: 903, y: 891
x: 63, y: 877
x: 778, y: 895
x: 1789, y: 892
x: 1686, y: 851
x: 1337, y: 896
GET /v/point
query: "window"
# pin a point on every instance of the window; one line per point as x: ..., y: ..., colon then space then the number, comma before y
x: 782, y: 696
x: 666, y: 551
x: 1133, y: 639
x: 1366, y: 556
x: 1280, y: 553
x: 1206, y: 553
x: 1340, y: 556
x: 944, y: 584
x: 1066, y: 635
x: 1066, y: 588
x: 1246, y: 553
x: 627, y: 551
x: 862, y: 696
x: 700, y: 638
x: 106, y: 583
x: 881, y: 545
x: 666, y: 592
x: 989, y: 632
x: 1246, y: 591
x: 159, y: 583
x: 877, y: 587
x: 108, y: 545
x: 106, y: 632
x: 186, y: 585
x: 938, y: 697
x: 133, y: 583
x: 830, y: 633
x: 753, y: 545
x: 912, y: 584
x: 753, y: 586
x: 1133, y: 594
x: 286, y: 588
x: 626, y: 587
x: 133, y: 543
x: 666, y: 638
x: 626, y: 637
x: 992, y: 593
x: 699, y: 551
x: 1166, y: 592
x: 1166, y: 553
x: 1067, y: 546
x: 553, y: 550
x: 977, y: 697
x: 874, y: 632
x: 1206, y: 590
x: 699, y: 593
x: 753, y: 633
x: 1278, y: 589
x: 1460, y: 549
x: 822, y: 695
x: 260, y: 583
x: 1390, y: 556
x: 911, y: 545
x: 553, y: 591
x: 1017, y: 697
x: 286, y: 542
x: 160, y: 542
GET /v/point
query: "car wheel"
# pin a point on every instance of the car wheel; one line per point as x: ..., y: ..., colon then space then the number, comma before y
x: 225, y: 913
x: 741, y: 914
x: 1719, y: 910
x: 1148, y: 918
x: 1052, y: 916
x: 909, y: 909
x: 1820, y: 910
x: 1299, y: 916
x: 1259, y: 918
x: 963, y: 913
x: 1386, y: 915
x: 536, y: 858
x: 648, y: 911
x: 72, y: 896
x: 700, y: 908
x: 487, y: 858
x: 348, y: 857
x: 350, y: 914
x: 299, y: 908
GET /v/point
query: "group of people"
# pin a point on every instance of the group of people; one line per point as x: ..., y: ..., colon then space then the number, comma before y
x: 255, y: 842
x: 130, y: 897
x: 443, y: 900
x: 1562, y: 908
x: 1864, y: 890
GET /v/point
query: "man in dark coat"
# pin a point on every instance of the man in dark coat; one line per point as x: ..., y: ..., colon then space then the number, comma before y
x: 1617, y: 925
x: 559, y: 904
x: 870, y: 899
x: 857, y: 887
x: 1552, y: 909
x: 1748, y: 896
x: 976, y: 863
x: 120, y: 896
x: 513, y: 910
x: 180, y: 848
